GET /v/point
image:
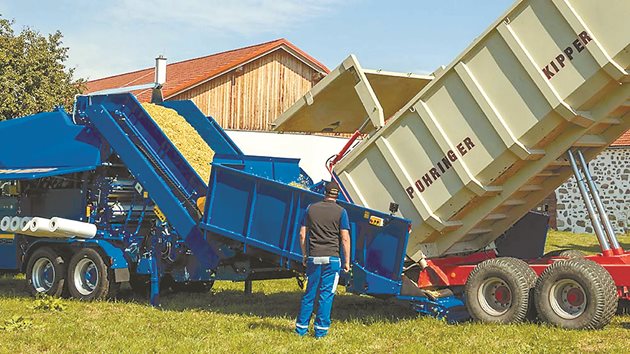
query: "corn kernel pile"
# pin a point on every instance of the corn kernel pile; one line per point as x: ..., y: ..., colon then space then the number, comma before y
x: 184, y: 137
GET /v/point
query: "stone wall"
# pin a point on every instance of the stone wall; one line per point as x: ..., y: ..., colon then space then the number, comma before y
x: 611, y: 172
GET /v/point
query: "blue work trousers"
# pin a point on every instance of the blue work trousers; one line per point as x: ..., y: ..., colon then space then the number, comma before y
x: 323, y: 276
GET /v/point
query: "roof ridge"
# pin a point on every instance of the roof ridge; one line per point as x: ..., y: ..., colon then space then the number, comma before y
x: 121, y: 74
x: 279, y: 40
x: 623, y: 140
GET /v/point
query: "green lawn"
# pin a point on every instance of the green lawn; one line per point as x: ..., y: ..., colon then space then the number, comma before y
x: 226, y: 320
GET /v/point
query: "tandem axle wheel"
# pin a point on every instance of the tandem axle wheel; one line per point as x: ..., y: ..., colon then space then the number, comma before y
x: 574, y: 293
x: 498, y: 290
x: 85, y: 277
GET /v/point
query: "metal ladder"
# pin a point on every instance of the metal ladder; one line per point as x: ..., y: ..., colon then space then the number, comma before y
x: 596, y: 211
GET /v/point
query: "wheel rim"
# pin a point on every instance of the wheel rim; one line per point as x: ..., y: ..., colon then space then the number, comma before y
x: 85, y: 277
x: 568, y: 299
x: 495, y: 296
x: 43, y: 275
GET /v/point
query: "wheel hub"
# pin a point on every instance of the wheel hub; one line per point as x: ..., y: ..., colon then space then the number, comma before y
x: 575, y: 297
x: 568, y: 299
x: 85, y: 276
x: 495, y: 296
x: 43, y: 275
x: 502, y: 294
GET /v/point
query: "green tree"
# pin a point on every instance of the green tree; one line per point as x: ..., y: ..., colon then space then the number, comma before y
x: 33, y: 73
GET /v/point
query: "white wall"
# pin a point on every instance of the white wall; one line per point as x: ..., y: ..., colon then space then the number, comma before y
x: 311, y: 149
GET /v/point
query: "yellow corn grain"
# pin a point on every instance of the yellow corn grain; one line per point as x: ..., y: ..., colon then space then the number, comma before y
x: 185, y: 138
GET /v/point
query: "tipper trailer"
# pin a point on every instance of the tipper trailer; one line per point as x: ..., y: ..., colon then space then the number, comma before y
x: 466, y: 152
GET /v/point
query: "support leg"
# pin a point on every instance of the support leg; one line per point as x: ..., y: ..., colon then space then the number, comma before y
x: 248, y: 287
x: 155, y: 281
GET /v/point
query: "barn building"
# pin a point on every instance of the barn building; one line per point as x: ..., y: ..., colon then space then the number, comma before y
x: 243, y: 89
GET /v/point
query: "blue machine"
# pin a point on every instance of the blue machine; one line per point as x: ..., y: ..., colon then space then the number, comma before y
x: 110, y: 165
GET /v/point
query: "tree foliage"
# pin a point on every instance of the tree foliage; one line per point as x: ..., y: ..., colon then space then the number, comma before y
x: 33, y: 72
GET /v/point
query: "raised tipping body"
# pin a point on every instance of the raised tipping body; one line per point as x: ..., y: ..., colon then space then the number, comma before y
x: 484, y: 142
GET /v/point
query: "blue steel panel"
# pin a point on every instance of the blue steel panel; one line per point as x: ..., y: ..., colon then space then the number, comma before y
x: 228, y: 205
x: 263, y: 213
x: 280, y: 169
x: 46, y: 144
x: 271, y: 217
x: 209, y: 130
x: 377, y: 258
x: 8, y: 252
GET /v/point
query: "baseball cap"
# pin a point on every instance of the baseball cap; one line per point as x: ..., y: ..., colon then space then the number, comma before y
x: 332, y: 189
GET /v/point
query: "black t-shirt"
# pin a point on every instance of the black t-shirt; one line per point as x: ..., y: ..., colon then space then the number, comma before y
x: 324, y: 221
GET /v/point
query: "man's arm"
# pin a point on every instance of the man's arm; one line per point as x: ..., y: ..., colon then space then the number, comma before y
x: 303, y: 244
x: 345, y: 239
x: 303, y: 236
x: 345, y: 243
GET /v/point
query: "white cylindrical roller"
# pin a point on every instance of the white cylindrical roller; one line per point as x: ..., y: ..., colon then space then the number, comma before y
x: 24, y: 222
x: 26, y: 229
x: 39, y: 224
x: 40, y: 227
x: 72, y: 228
x: 5, y: 223
x: 15, y: 224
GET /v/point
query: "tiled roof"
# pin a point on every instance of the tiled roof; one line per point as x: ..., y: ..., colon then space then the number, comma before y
x: 624, y: 140
x: 188, y: 73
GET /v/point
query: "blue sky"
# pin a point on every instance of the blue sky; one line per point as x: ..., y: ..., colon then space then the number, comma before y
x: 108, y: 37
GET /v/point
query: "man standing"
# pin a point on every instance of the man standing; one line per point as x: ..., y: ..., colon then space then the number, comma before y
x: 324, y: 224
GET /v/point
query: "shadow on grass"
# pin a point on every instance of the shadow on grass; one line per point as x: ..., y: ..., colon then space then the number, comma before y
x: 281, y: 304
x: 13, y: 287
x: 365, y: 310
x: 587, y: 249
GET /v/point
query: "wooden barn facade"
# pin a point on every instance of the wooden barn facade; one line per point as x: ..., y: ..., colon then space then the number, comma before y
x: 243, y: 89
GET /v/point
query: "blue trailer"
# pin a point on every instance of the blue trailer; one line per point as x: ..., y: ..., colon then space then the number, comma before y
x: 108, y: 164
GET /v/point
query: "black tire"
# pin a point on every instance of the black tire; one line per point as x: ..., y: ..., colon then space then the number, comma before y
x: 566, y: 253
x: 89, y: 278
x: 576, y: 294
x: 194, y: 286
x: 46, y: 273
x: 499, y: 291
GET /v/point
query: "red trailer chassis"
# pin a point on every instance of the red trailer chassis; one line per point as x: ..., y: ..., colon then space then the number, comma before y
x: 454, y: 271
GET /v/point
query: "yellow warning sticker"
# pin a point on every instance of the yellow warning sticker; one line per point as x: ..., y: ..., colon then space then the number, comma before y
x: 376, y: 221
x: 7, y: 236
x: 159, y: 213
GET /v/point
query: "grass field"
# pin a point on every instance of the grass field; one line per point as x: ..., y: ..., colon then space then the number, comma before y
x: 226, y: 320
